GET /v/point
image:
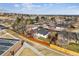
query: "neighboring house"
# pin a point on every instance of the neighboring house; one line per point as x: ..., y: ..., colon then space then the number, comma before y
x: 59, y: 28
x: 41, y: 32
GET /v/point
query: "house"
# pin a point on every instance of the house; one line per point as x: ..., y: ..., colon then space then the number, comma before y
x: 41, y: 32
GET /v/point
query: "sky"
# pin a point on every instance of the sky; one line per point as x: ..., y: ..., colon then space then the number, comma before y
x: 41, y: 8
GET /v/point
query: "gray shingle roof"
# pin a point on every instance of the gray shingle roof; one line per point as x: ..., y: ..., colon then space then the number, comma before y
x: 43, y: 31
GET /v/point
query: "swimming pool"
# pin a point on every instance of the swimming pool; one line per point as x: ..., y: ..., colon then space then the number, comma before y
x: 5, y: 44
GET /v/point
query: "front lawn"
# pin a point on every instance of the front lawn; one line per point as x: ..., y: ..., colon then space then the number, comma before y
x: 73, y: 47
x: 44, y: 39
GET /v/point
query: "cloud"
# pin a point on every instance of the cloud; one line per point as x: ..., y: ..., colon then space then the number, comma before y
x: 30, y: 6
x: 16, y: 5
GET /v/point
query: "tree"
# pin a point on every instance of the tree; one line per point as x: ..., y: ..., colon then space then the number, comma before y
x: 37, y: 19
x: 53, y: 18
x: 53, y: 36
x: 30, y: 21
x: 77, y: 39
x: 49, y: 36
x: 43, y: 18
x: 17, y: 20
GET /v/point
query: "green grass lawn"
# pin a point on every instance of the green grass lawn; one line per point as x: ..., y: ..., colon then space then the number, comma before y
x: 44, y: 39
x: 73, y: 47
